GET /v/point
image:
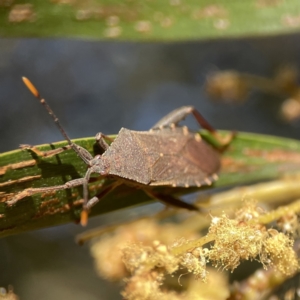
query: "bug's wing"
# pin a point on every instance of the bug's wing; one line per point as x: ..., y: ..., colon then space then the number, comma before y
x: 195, y: 165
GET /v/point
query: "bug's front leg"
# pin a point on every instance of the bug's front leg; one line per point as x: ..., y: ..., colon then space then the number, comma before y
x: 93, y: 201
x: 32, y: 191
x: 48, y: 153
x: 81, y: 152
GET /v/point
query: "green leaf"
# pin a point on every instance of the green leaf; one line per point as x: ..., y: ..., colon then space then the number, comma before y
x: 249, y: 158
x: 148, y: 20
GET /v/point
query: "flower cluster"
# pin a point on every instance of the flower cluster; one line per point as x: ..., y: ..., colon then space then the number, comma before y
x: 147, y: 253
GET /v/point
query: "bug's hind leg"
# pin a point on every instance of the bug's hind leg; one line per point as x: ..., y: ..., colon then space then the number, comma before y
x: 171, y: 200
x: 174, y: 117
x: 177, y: 115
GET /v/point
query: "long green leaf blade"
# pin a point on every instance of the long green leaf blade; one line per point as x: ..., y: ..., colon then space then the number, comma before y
x: 249, y: 158
x: 140, y: 20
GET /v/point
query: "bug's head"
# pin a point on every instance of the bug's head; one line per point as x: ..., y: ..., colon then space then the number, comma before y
x: 99, y: 165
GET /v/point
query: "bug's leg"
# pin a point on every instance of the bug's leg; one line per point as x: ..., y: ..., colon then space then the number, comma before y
x: 223, y: 141
x: 177, y: 115
x: 48, y: 153
x: 32, y: 191
x: 171, y: 200
x: 81, y: 152
x: 100, y: 139
x: 93, y: 201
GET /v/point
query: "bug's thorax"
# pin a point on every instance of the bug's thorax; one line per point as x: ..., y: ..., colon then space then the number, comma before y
x: 126, y: 158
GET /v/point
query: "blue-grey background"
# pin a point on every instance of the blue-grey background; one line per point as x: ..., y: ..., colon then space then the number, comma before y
x: 102, y: 86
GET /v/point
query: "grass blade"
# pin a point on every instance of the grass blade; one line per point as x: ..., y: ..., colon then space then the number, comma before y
x: 250, y: 158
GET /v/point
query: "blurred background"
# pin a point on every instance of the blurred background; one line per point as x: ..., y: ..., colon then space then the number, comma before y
x: 103, y: 86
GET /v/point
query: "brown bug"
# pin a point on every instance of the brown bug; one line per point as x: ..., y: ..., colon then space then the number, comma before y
x: 166, y: 155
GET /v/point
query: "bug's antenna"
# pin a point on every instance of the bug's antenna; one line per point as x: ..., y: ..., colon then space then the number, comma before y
x: 84, y: 217
x: 81, y: 152
x: 36, y: 93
